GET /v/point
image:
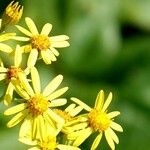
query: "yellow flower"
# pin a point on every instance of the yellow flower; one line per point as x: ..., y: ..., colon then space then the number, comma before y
x: 40, y: 44
x: 35, y: 110
x: 11, y: 15
x: 49, y: 143
x: 10, y: 73
x: 69, y: 115
x: 6, y: 36
x: 97, y: 120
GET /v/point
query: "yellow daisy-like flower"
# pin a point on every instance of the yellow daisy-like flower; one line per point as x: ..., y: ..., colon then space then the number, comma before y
x: 40, y: 44
x: 69, y: 114
x: 97, y: 120
x: 10, y: 73
x: 11, y: 15
x: 35, y: 110
x: 49, y: 143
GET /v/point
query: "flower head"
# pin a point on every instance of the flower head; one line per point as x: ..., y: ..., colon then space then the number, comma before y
x: 49, y: 143
x: 35, y: 110
x: 10, y: 73
x: 12, y: 14
x: 40, y: 45
x: 97, y: 120
x: 69, y: 115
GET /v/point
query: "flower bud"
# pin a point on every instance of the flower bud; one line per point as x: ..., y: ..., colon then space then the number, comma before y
x: 11, y: 15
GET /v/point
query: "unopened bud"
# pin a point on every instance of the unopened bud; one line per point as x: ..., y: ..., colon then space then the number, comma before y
x: 11, y: 15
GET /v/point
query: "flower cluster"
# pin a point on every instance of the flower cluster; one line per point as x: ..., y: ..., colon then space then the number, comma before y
x: 43, y: 123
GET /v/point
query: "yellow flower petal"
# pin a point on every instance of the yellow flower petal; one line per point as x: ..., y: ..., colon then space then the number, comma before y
x: 49, y: 121
x: 18, y: 56
x: 21, y: 38
x: 45, y: 57
x: 19, y: 90
x: 52, y: 86
x: 35, y: 80
x: 5, y: 48
x: 50, y: 130
x: 51, y: 55
x: 60, y: 44
x: 31, y: 26
x: 59, y: 38
x: 82, y: 137
x: 116, y: 126
x: 79, y: 102
x: 46, y: 29
x: 70, y: 108
x: 38, y: 128
x: 3, y: 76
x: 9, y: 94
x: 2, y: 69
x: 113, y: 135
x: 58, y: 102
x: 113, y: 114
x: 55, y: 117
x: 6, y: 36
x: 109, y: 140
x: 1, y: 63
x: 57, y: 93
x: 42, y: 128
x: 96, y: 141
x: 34, y: 130
x: 17, y: 118
x: 76, y: 111
x: 23, y: 30
x: 56, y: 53
x: 107, y: 102
x: 26, y: 128
x: 99, y: 100
x: 28, y: 141
x: 32, y: 58
x: 78, y: 120
x: 15, y: 109
x: 25, y: 84
x: 73, y: 135
x: 79, y: 126
x: 48, y: 56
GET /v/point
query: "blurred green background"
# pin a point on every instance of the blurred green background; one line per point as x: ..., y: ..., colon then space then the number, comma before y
x: 110, y: 50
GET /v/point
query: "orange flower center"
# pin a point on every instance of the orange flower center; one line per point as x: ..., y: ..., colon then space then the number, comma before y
x: 13, y: 72
x: 37, y: 105
x: 40, y: 42
x: 99, y: 121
